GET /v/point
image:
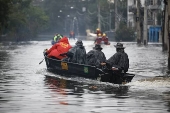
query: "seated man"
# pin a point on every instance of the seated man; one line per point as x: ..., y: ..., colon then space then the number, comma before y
x: 61, y: 47
x: 95, y: 57
x: 77, y: 54
x: 118, y: 63
x: 56, y: 38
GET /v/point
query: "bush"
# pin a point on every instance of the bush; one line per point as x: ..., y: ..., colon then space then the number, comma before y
x: 123, y: 33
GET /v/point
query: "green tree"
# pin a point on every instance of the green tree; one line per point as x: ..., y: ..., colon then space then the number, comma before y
x: 23, y: 20
x: 4, y: 12
x: 124, y: 33
x: 37, y: 20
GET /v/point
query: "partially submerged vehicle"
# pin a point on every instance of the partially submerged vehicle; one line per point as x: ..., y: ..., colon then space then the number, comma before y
x: 68, y: 69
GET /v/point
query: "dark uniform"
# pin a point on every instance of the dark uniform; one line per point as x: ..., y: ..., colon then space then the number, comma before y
x: 119, y: 60
x: 95, y: 57
x: 118, y: 63
x: 77, y: 54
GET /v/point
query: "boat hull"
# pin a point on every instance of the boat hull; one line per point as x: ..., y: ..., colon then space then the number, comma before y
x: 73, y: 69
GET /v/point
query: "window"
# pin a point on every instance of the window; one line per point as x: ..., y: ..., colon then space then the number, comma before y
x: 151, y: 2
x: 134, y: 1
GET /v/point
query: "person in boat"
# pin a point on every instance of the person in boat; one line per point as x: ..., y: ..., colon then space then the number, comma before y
x: 62, y: 46
x: 118, y: 64
x: 98, y: 31
x: 77, y: 54
x: 105, y: 39
x: 56, y: 38
x: 95, y: 57
x: 98, y: 39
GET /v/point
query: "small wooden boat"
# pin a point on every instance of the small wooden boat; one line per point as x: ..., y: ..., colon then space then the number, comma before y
x: 68, y: 69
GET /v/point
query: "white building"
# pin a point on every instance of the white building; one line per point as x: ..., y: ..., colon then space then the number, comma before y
x: 153, y: 8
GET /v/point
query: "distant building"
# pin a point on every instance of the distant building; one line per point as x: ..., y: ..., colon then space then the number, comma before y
x: 154, y: 8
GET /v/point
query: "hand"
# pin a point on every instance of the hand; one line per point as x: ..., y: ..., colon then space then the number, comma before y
x: 103, y: 64
x: 114, y: 68
x: 45, y: 50
x: 63, y: 54
x: 45, y: 53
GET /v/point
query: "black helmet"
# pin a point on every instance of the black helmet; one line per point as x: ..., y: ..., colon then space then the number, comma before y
x: 79, y: 42
x: 98, y: 46
x: 119, y: 46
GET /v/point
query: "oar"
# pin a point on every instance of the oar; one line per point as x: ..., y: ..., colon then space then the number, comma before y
x: 45, y: 55
x: 41, y: 61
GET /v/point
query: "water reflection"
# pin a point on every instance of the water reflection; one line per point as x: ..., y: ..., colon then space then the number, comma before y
x: 166, y: 98
x: 77, y: 88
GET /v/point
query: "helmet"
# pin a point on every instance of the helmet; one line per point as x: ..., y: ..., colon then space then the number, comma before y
x: 119, y: 45
x: 79, y: 42
x: 97, y: 29
x: 104, y: 34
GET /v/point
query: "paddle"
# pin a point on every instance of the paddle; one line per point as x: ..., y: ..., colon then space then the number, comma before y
x: 44, y: 54
x: 41, y: 61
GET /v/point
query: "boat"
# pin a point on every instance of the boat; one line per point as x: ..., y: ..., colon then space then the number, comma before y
x: 64, y: 68
x: 102, y: 43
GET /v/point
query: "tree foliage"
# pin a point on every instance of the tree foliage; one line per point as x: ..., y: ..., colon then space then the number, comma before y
x: 22, y: 20
x: 124, y: 33
x: 4, y: 12
x: 87, y: 19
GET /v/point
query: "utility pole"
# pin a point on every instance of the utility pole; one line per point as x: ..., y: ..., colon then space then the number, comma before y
x: 168, y: 3
x: 116, y: 18
x: 110, y: 17
x: 138, y: 23
x: 99, y: 21
x: 145, y: 25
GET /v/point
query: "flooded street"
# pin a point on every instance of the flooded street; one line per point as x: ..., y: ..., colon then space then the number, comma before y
x: 24, y: 87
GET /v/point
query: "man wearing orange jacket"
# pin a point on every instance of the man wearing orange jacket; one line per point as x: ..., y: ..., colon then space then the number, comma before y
x: 59, y: 48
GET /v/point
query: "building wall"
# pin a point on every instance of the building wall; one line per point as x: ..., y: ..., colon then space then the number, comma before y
x: 130, y: 15
x: 152, y: 8
x: 152, y: 13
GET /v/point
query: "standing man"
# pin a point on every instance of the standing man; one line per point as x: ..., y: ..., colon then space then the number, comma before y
x: 72, y: 35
